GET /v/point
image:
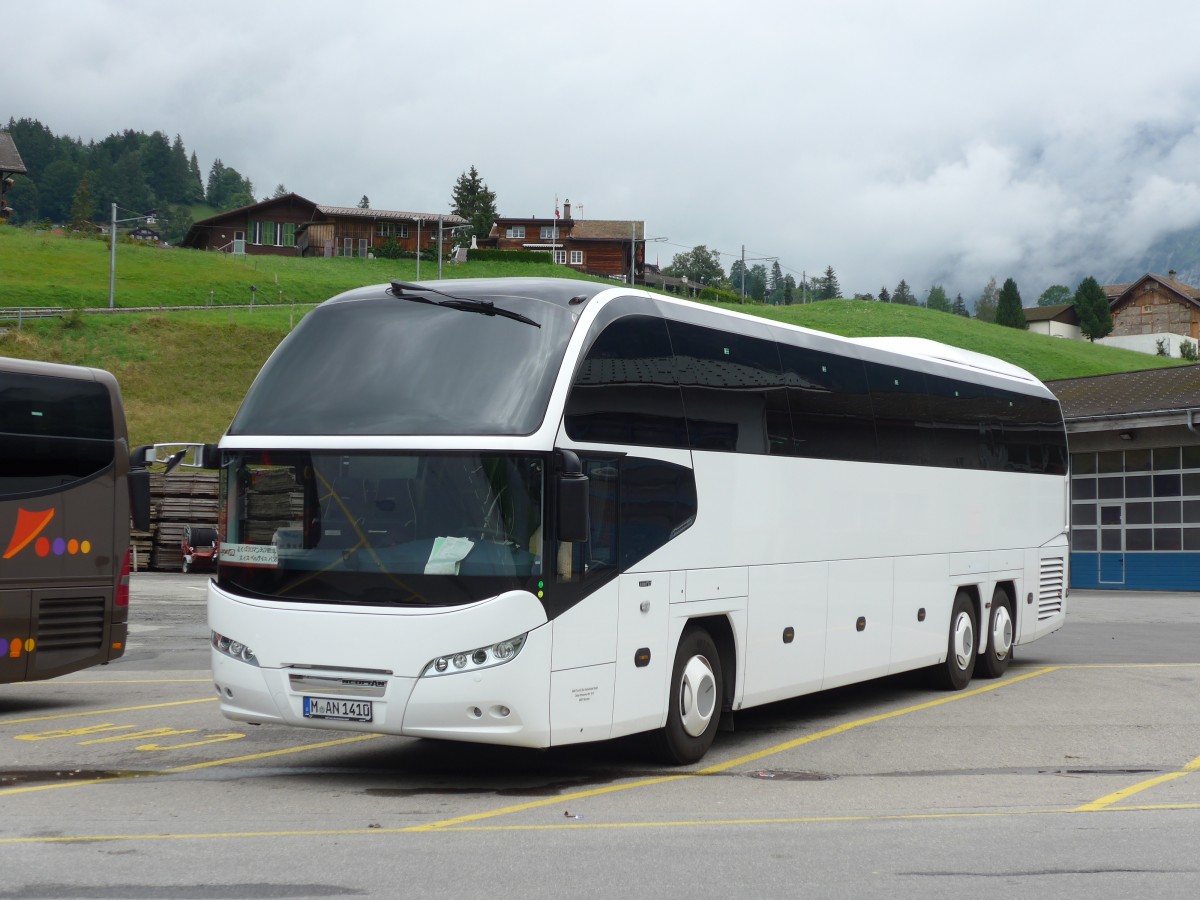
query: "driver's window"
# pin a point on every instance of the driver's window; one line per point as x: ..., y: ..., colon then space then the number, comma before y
x: 579, y: 560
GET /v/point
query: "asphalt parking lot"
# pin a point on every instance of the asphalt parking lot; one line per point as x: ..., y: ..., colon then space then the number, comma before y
x: 1075, y: 774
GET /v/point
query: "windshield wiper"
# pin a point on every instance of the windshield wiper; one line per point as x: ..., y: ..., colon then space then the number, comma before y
x: 466, y: 304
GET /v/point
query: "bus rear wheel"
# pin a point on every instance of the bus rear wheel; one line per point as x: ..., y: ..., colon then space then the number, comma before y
x: 955, y: 673
x: 694, y: 701
x: 996, y: 658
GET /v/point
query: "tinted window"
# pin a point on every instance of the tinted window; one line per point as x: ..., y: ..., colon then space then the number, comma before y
x: 392, y: 366
x: 625, y: 391
x: 902, y: 421
x: 733, y: 391
x: 962, y: 436
x: 53, y: 431
x: 830, y: 405
x: 658, y: 501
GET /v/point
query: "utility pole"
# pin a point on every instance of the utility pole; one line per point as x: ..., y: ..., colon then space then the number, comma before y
x: 743, y: 273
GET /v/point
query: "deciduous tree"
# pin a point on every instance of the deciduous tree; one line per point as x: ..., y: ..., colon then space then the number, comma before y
x: 937, y: 299
x: 1055, y: 295
x: 985, y: 306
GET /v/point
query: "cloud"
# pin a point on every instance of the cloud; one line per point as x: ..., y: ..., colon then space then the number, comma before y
x: 931, y: 141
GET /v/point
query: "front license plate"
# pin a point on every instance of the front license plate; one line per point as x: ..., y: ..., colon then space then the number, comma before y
x: 328, y: 708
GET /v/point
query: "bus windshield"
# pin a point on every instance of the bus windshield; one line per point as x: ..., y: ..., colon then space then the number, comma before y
x: 386, y: 365
x: 380, y: 528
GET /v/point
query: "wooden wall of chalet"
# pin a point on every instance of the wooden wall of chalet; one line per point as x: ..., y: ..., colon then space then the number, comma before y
x: 1153, y: 309
x: 604, y: 259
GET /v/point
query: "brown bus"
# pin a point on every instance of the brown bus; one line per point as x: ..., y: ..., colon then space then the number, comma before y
x: 68, y: 487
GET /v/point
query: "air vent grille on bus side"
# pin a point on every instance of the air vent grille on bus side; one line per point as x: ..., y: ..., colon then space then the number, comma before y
x: 1050, y: 593
x: 67, y: 623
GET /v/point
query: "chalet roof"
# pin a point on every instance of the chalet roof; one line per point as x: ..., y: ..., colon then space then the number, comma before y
x: 579, y: 229
x: 1051, y: 313
x: 607, y: 230
x: 10, y: 159
x: 242, y: 210
x: 1174, y: 389
x: 357, y: 212
x: 1114, y: 292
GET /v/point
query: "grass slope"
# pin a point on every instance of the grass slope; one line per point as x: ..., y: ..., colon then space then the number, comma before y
x: 184, y: 373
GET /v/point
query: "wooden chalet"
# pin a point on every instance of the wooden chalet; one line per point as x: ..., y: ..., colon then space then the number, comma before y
x: 1056, y: 321
x: 603, y: 247
x: 294, y: 226
x: 1154, y: 305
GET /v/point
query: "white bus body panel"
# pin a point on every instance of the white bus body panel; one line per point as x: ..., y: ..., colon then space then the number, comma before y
x: 393, y: 646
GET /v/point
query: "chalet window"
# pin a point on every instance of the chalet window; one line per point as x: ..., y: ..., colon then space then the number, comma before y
x: 560, y: 257
x: 268, y: 233
x: 384, y: 229
x: 515, y: 232
x: 256, y: 230
x: 287, y: 234
x: 347, y: 246
x: 577, y: 257
x: 550, y: 232
x: 402, y: 231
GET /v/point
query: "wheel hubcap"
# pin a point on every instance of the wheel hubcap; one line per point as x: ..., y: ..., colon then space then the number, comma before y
x: 697, y: 696
x: 1002, y: 632
x: 964, y: 640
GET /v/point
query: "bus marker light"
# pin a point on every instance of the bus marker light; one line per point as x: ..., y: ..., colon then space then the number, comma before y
x: 921, y: 614
x: 861, y: 624
x: 641, y: 658
x: 789, y: 634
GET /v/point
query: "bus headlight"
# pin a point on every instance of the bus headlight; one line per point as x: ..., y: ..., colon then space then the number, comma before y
x: 473, y: 660
x: 233, y: 649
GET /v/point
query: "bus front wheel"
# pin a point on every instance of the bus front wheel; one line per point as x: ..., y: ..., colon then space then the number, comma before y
x: 955, y: 673
x: 694, y: 701
x: 995, y: 659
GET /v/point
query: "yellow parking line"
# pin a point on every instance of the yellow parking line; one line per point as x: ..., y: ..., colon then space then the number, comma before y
x: 732, y: 763
x: 105, y: 712
x: 266, y: 754
x: 1117, y: 796
x: 575, y: 825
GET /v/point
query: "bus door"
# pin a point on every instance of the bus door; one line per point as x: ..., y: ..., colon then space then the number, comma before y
x: 1112, y: 542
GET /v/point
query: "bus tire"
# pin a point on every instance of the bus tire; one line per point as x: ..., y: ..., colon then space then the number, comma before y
x: 694, y: 700
x: 994, y: 661
x: 955, y: 673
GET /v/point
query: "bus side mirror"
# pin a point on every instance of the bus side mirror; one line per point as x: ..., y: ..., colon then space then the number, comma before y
x: 139, y: 498
x: 209, y: 457
x: 573, y: 513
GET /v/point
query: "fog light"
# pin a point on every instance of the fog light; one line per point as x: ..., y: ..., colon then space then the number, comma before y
x: 460, y: 660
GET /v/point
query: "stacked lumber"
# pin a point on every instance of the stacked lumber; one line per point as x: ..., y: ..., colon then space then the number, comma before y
x: 176, y: 500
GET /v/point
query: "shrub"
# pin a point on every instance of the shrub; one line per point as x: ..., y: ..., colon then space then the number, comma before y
x: 528, y: 256
x: 1187, y: 350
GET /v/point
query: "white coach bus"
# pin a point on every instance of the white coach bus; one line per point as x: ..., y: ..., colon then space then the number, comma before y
x: 537, y: 512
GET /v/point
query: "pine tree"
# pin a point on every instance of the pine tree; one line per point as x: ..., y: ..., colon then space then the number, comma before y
x: 472, y: 200
x: 885, y: 296
x: 1008, y: 307
x: 960, y: 307
x: 212, y: 192
x: 903, y: 294
x: 81, y: 205
x: 195, y: 188
x: 827, y: 285
x: 364, y: 203
x: 1095, y: 317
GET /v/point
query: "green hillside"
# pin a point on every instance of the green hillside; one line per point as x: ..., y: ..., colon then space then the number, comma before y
x: 183, y: 373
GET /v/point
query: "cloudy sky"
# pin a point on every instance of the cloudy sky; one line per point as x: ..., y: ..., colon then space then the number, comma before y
x: 938, y: 142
